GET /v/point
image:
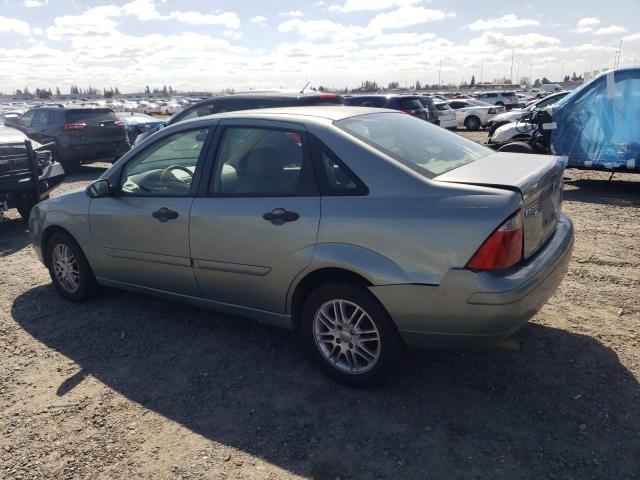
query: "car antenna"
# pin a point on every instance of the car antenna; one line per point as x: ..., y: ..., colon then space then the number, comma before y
x: 305, y: 87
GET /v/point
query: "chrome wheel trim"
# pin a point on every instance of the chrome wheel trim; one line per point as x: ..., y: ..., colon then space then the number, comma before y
x: 65, y: 268
x: 346, y: 336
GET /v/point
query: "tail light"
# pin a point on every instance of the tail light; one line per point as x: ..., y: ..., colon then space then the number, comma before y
x: 118, y: 123
x: 404, y: 110
x: 74, y: 126
x: 503, y: 248
x: 328, y: 96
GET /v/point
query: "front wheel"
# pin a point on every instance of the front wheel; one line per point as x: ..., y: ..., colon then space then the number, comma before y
x: 69, y: 269
x: 350, y: 336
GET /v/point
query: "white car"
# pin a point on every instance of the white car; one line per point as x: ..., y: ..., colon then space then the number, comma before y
x: 473, y: 114
x: 502, y: 99
x: 447, y: 117
x: 515, y: 115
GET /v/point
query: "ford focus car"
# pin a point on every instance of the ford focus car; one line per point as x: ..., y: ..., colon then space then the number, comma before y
x: 363, y: 229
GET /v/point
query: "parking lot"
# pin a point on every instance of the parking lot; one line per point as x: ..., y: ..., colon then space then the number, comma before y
x: 134, y: 387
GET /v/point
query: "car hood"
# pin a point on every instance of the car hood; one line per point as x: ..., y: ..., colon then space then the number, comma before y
x: 510, y: 116
x: 510, y: 130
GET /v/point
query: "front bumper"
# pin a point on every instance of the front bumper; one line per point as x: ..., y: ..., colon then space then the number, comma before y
x: 472, y: 309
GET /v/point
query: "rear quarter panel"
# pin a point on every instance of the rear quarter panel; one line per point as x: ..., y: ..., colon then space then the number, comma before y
x: 423, y: 227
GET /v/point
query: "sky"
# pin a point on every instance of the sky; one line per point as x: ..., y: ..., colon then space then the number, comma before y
x: 214, y: 45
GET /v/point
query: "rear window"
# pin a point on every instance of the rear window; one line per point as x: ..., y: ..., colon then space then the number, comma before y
x: 509, y: 94
x: 375, y: 102
x: 328, y: 99
x: 442, y: 106
x: 91, y: 115
x: 421, y: 146
x: 410, y: 104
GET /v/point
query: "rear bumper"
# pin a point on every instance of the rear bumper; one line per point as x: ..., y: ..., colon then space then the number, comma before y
x: 98, y: 151
x: 473, y: 309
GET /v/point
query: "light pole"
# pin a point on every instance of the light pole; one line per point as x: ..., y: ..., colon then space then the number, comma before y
x: 562, y: 75
x: 518, y: 74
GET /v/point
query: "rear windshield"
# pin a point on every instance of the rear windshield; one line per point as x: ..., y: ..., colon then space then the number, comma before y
x: 509, y: 94
x: 91, y: 115
x: 321, y: 100
x: 410, y: 104
x: 425, y: 148
x: 376, y: 102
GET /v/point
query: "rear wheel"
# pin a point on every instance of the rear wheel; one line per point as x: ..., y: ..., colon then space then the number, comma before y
x: 70, y: 272
x: 472, y: 123
x: 517, y: 147
x: 349, y: 335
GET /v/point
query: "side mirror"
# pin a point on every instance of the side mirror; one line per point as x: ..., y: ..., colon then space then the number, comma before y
x: 99, y: 188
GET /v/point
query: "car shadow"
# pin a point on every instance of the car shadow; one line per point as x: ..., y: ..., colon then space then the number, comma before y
x: 564, y: 406
x: 621, y: 192
x: 13, y: 235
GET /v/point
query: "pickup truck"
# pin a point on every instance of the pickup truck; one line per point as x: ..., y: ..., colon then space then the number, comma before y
x: 28, y: 172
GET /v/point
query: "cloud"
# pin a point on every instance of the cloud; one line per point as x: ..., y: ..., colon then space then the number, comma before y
x: 319, y: 29
x: 146, y: 10
x: 587, y: 24
x: 525, y: 40
x: 507, y: 21
x: 258, y: 19
x: 292, y: 13
x: 406, y: 17
x: 14, y: 25
x: 632, y: 38
x: 371, y: 5
x: 34, y: 3
x: 401, y: 38
x: 591, y: 48
x: 610, y: 30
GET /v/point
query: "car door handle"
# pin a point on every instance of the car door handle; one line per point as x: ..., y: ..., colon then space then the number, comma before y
x: 278, y: 216
x: 164, y: 214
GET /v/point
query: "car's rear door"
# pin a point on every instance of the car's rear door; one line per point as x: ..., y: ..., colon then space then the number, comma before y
x: 255, y: 222
x: 141, y: 233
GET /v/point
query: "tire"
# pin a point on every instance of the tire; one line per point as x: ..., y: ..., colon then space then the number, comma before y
x: 85, y: 281
x: 472, y: 123
x: 516, y: 147
x: 359, y: 363
x: 500, y: 104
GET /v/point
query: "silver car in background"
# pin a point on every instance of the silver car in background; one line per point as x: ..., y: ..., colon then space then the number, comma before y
x: 360, y: 228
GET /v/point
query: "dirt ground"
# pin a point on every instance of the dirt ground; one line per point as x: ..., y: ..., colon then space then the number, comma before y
x: 126, y: 386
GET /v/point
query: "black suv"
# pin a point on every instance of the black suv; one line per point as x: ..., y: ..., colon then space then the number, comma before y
x: 80, y: 134
x: 21, y: 163
x: 249, y: 101
x: 409, y: 104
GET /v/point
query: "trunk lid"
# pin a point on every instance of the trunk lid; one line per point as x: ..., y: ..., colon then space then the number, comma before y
x: 101, y: 125
x: 538, y: 178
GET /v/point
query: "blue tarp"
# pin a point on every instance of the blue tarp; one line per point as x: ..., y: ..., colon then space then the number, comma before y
x: 598, y: 124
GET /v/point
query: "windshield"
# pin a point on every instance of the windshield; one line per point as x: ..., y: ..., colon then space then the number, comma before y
x: 425, y: 148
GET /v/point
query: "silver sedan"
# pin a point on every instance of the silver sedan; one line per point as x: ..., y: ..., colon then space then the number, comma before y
x: 362, y: 229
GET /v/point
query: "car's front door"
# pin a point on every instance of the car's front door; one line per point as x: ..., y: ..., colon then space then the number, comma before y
x: 141, y: 232
x: 255, y: 226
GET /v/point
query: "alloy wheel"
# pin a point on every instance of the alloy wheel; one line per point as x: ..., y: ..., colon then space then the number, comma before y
x: 65, y: 268
x: 346, y: 336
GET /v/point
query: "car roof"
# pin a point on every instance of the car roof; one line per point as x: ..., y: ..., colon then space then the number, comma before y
x: 326, y: 112
x: 265, y: 96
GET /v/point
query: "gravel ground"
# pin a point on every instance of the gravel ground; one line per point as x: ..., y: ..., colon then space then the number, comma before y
x: 127, y: 386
